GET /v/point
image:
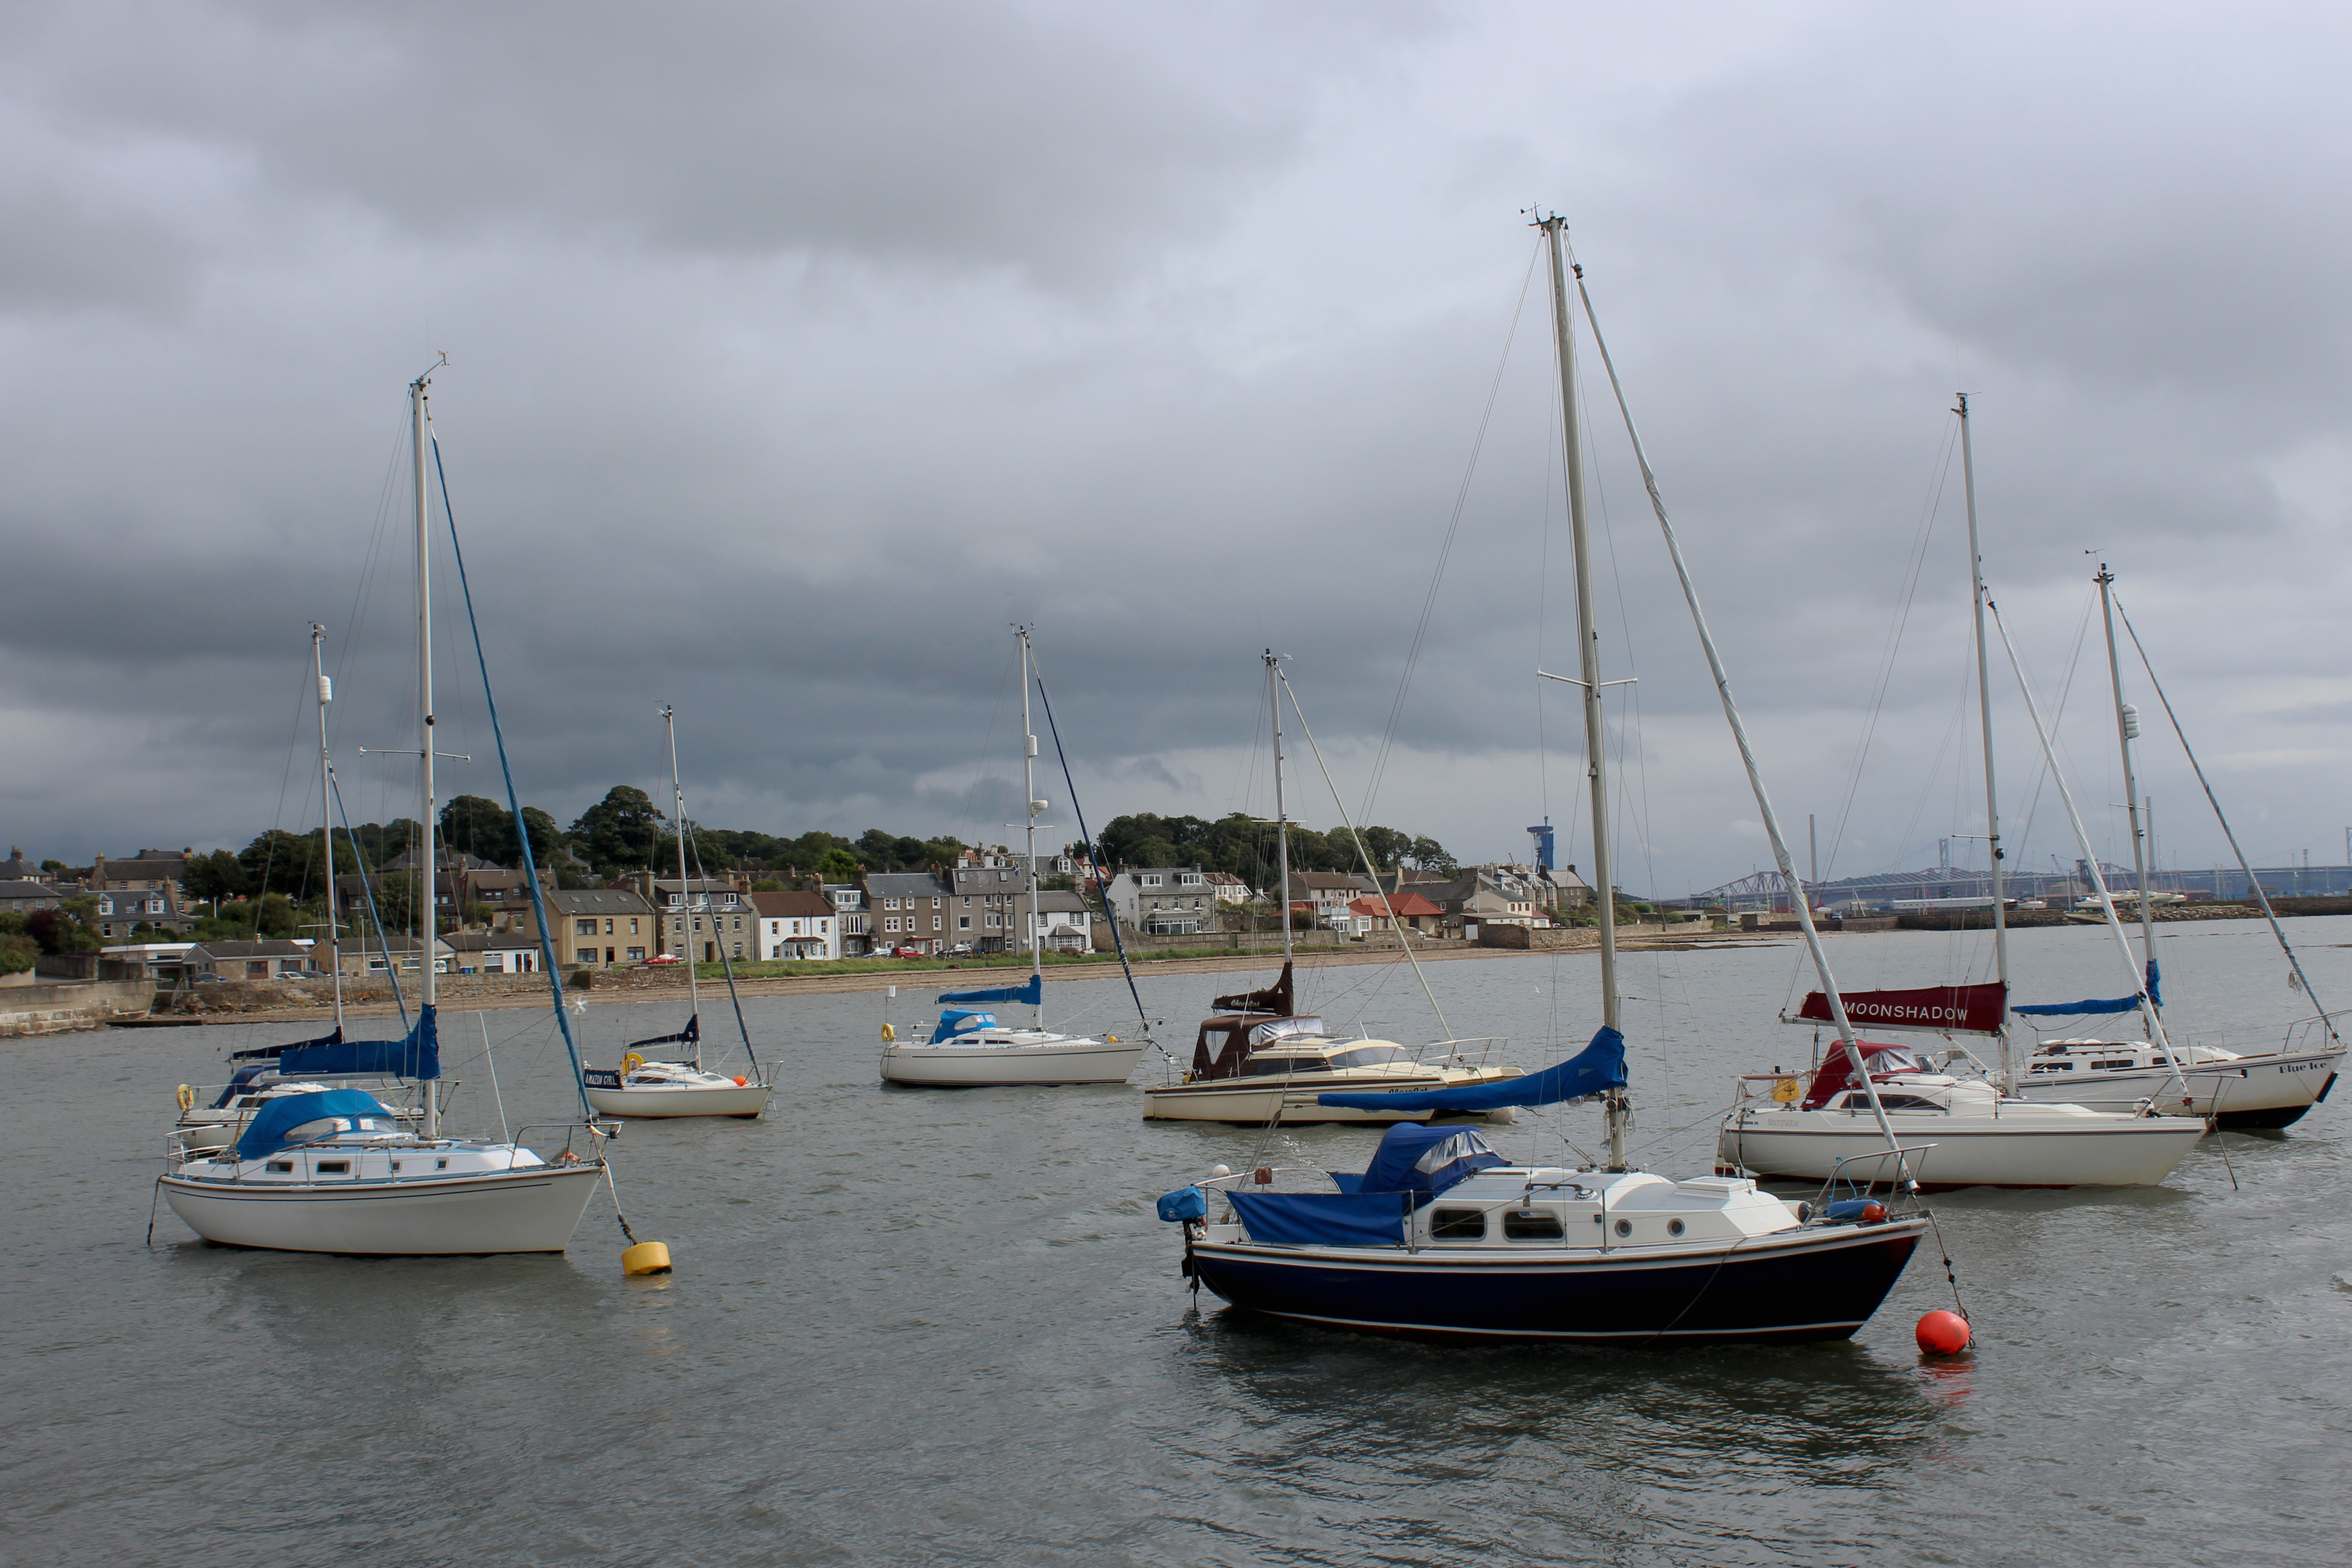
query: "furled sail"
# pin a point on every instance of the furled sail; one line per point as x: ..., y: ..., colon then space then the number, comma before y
x: 1275, y: 998
x: 1937, y: 1009
x: 417, y: 1056
x: 1599, y: 1066
x: 1030, y: 990
x: 2100, y: 1005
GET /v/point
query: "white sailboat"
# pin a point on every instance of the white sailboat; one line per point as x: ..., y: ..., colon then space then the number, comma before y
x: 2243, y: 1090
x: 640, y: 1087
x: 1265, y: 1060
x: 970, y: 1049
x: 335, y: 1170
x: 1983, y: 1135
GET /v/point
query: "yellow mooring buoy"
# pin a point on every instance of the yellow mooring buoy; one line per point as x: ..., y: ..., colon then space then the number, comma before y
x: 646, y: 1257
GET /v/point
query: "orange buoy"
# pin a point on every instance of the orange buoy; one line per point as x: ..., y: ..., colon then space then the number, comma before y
x: 1943, y: 1334
x: 740, y: 1082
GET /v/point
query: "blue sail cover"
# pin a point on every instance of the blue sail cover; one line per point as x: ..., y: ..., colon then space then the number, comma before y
x: 954, y: 1021
x: 1322, y: 1219
x: 2108, y: 1004
x: 266, y: 1135
x: 416, y: 1056
x: 271, y: 1053
x: 1599, y: 1066
x: 1425, y: 1161
x: 1032, y: 991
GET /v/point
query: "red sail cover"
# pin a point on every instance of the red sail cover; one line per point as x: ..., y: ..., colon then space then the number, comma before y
x: 1938, y: 1009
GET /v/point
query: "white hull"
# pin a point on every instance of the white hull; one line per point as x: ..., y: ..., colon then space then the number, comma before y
x: 2028, y: 1146
x: 2255, y: 1089
x: 981, y: 1067
x: 750, y: 1099
x: 535, y: 1209
x: 1250, y: 1100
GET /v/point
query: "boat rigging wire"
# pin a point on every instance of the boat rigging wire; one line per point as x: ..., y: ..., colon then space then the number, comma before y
x: 1445, y: 548
x: 694, y: 845
x: 2252, y: 881
x: 514, y: 803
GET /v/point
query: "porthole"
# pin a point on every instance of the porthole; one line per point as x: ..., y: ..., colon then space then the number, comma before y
x: 1674, y: 1227
x: 1624, y: 1227
x: 440, y: 1164
x: 283, y: 1166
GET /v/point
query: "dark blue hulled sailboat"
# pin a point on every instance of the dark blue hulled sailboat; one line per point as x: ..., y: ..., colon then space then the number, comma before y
x: 1442, y: 1235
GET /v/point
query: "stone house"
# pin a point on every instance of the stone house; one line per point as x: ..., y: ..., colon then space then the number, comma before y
x: 849, y: 910
x: 372, y: 954
x: 493, y: 952
x: 595, y: 928
x: 1065, y: 922
x: 979, y: 908
x: 269, y: 959
x: 909, y: 909
x: 692, y: 918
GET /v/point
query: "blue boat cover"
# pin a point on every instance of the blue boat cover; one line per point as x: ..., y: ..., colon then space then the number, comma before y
x: 1425, y: 1161
x: 271, y: 1053
x: 1184, y: 1202
x: 266, y: 1135
x: 237, y: 1085
x: 416, y: 1056
x: 954, y: 1021
x: 2108, y: 1004
x: 1599, y: 1066
x: 1032, y: 991
x: 1323, y: 1219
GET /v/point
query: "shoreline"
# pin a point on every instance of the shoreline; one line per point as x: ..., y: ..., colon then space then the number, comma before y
x: 468, y: 994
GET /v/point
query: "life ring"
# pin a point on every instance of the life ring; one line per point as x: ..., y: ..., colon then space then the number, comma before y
x: 187, y: 1098
x: 888, y: 1034
x: 631, y: 1062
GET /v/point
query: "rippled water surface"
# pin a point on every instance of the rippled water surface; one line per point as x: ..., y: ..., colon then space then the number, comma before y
x: 938, y: 1327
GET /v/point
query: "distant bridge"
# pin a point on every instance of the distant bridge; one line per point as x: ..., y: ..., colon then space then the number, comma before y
x: 1764, y: 890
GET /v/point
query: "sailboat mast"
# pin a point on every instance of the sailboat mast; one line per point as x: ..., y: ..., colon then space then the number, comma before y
x: 327, y: 816
x: 1281, y: 817
x: 428, y: 921
x: 1029, y: 816
x: 1984, y: 715
x: 686, y: 904
x: 1588, y: 665
x: 2127, y: 727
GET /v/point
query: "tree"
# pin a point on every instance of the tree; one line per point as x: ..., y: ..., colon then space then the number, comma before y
x: 218, y: 875
x: 1429, y: 855
x: 839, y: 865
x: 617, y: 832
x: 64, y: 929
x: 18, y: 947
x: 768, y: 885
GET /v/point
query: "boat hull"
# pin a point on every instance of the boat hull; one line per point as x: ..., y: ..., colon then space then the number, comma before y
x: 531, y: 1210
x: 1250, y: 1102
x: 2250, y: 1092
x: 1969, y: 1150
x: 748, y: 1101
x: 999, y: 1067
x: 1796, y: 1285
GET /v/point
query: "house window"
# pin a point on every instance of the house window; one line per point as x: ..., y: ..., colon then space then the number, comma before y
x: 585, y: 928
x: 993, y: 918
x: 608, y: 928
x: 935, y: 919
x: 633, y: 926
x: 1152, y: 881
x: 889, y: 922
x: 963, y: 923
x: 636, y: 956
x: 587, y: 955
x: 1189, y: 879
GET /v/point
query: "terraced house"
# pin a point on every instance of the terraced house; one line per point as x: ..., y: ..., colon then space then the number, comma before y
x: 909, y: 909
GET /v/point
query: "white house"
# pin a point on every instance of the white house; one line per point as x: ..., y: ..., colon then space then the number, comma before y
x: 1164, y: 899
x: 1064, y: 922
x: 797, y: 925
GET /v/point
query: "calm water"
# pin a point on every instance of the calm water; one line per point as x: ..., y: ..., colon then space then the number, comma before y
x: 913, y: 1327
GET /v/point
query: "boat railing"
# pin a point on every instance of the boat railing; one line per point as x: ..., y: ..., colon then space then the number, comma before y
x: 594, y: 1131
x: 1265, y: 1178
x: 1453, y: 1049
x: 2314, y: 1034
x: 1838, y: 1176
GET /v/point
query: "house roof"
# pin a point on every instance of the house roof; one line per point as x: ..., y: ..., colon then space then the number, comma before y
x: 267, y: 948
x: 1224, y: 879
x: 1408, y: 906
x: 398, y: 941
x: 444, y: 859
x: 489, y: 942
x: 1054, y: 901
x: 904, y: 885
x: 792, y: 906
x: 596, y: 901
x: 13, y: 892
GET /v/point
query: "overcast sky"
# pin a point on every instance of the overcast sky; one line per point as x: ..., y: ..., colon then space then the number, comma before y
x: 795, y: 352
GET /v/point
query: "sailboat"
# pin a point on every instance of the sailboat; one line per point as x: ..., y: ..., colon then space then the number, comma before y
x: 1257, y: 1058
x: 968, y: 1048
x: 1442, y: 1235
x: 2241, y: 1090
x: 256, y: 1076
x: 1983, y: 1134
x: 641, y: 1086
x: 336, y: 1170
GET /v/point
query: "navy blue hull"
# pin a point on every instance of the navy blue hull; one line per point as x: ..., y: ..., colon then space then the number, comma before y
x: 1798, y: 1286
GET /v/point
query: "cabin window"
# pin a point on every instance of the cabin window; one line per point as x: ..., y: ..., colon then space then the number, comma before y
x: 1370, y: 1056
x: 284, y: 1167
x: 2103, y: 1067
x: 396, y: 1167
x: 1904, y: 1102
x: 1533, y: 1226
x: 1674, y: 1227
x: 440, y: 1164
x: 1274, y: 1067
x: 1461, y: 1225
x: 1624, y: 1229
x: 334, y: 1167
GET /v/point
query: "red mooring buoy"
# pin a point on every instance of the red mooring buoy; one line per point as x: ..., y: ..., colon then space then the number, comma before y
x: 1943, y: 1334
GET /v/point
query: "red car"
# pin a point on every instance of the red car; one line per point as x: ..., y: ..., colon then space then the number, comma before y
x: 906, y: 953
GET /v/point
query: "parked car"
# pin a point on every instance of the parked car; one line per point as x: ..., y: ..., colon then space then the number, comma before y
x: 959, y: 949
x: 659, y: 958
x: 906, y: 953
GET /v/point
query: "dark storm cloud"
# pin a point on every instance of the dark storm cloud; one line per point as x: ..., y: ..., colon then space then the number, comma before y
x: 798, y: 350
